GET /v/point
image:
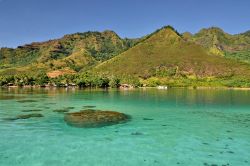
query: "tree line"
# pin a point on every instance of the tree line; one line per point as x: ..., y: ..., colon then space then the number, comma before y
x: 81, y: 80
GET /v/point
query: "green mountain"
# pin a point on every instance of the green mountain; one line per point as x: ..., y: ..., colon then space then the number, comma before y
x: 72, y: 52
x: 210, y: 57
x: 166, y: 54
x: 220, y: 43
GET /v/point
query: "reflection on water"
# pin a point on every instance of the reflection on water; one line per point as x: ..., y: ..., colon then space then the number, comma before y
x: 168, y: 127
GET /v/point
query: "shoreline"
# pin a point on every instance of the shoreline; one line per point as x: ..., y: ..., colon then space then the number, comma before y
x: 72, y: 87
x: 201, y: 87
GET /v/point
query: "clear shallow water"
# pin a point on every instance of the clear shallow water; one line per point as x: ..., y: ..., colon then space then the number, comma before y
x: 187, y: 127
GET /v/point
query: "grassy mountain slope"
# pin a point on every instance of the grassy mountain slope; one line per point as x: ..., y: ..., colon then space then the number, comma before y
x: 163, y: 57
x: 168, y: 54
x: 224, y: 44
x: 76, y: 51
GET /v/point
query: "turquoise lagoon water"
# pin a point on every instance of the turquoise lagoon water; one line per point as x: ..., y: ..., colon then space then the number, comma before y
x: 168, y: 127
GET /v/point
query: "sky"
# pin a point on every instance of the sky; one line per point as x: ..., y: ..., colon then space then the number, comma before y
x: 26, y: 21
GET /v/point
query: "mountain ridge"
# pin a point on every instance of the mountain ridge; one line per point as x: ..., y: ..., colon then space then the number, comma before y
x: 218, y: 42
x: 164, y: 54
x: 165, y: 39
x: 53, y: 53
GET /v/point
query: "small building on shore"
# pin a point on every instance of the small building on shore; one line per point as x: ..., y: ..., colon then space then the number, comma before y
x: 162, y: 87
x: 10, y: 84
x: 126, y: 86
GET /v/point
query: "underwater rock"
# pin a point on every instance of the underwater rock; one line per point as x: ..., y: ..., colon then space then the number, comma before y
x: 26, y: 101
x: 70, y: 108
x: 94, y: 118
x: 204, y: 143
x: 32, y: 110
x: 89, y: 106
x: 230, y: 152
x: 26, y: 116
x: 51, y: 103
x: 61, y: 110
x: 147, y: 119
x: 136, y: 133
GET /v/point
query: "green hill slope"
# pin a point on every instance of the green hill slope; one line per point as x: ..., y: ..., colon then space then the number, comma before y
x: 76, y: 52
x: 224, y: 44
x: 166, y: 54
x: 209, y: 58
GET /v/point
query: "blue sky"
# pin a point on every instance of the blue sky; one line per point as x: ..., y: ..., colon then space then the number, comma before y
x: 25, y: 21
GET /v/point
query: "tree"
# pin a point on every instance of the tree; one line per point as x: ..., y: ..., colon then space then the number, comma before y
x: 114, y: 82
x: 41, y: 79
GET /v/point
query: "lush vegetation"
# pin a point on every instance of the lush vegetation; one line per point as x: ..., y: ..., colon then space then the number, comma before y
x: 94, y: 80
x: 197, y: 82
x: 76, y: 51
x: 103, y: 59
x: 218, y: 42
x: 82, y: 80
x: 243, y: 56
x: 167, y: 54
